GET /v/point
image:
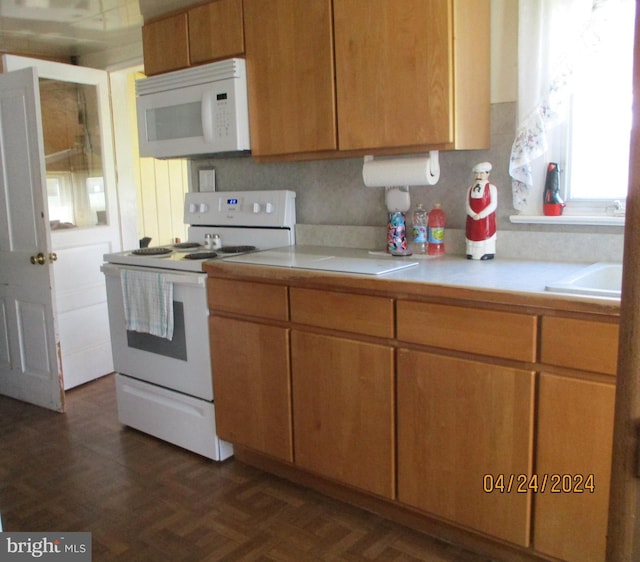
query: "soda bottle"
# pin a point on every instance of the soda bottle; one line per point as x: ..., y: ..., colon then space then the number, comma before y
x: 435, y: 231
x: 419, y: 222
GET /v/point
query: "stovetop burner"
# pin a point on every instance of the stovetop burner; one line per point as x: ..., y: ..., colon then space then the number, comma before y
x: 236, y: 249
x: 155, y: 251
x: 184, y: 246
x: 200, y: 256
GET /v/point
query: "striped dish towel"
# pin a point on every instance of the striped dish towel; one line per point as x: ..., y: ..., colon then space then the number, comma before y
x: 148, y: 302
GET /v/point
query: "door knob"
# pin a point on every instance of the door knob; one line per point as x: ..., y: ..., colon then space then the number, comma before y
x: 53, y: 257
x: 38, y: 259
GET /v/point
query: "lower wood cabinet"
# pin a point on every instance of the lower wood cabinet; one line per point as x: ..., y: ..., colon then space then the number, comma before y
x: 464, y: 428
x: 343, y: 396
x: 252, y: 387
x: 574, y: 445
x: 497, y: 422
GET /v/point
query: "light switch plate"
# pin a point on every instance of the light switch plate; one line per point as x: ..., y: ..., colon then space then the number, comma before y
x: 207, y: 180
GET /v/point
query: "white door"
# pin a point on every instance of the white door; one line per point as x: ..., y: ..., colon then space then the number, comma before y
x: 82, y: 205
x: 29, y: 362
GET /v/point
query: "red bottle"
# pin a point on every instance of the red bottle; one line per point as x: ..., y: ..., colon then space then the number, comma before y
x: 552, y: 203
x: 435, y: 231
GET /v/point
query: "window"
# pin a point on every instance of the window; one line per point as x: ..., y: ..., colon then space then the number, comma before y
x: 600, y: 116
x: 59, y: 195
x: 575, y: 61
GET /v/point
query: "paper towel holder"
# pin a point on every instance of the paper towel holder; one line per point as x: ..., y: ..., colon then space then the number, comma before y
x: 428, y: 169
x: 434, y: 165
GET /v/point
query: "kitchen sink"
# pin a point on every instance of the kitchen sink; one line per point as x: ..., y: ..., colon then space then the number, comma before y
x: 599, y: 280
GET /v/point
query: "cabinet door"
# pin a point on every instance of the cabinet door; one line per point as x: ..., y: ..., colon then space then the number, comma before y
x: 464, y: 427
x: 394, y: 72
x: 575, y: 432
x: 165, y: 44
x: 343, y: 404
x: 289, y: 51
x: 252, y: 386
x: 216, y: 31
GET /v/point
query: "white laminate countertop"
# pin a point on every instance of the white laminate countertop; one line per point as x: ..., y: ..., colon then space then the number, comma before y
x: 521, y: 276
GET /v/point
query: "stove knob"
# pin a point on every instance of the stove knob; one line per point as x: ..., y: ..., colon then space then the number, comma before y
x: 204, y: 207
x: 268, y: 208
x: 193, y: 208
x: 256, y: 208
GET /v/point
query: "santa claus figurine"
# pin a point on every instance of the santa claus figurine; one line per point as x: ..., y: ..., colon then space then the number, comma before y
x: 482, y: 201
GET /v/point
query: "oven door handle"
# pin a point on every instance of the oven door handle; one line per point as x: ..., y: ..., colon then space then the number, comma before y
x: 186, y: 280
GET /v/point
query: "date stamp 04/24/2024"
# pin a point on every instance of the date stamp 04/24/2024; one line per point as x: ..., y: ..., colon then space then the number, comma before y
x: 539, y: 483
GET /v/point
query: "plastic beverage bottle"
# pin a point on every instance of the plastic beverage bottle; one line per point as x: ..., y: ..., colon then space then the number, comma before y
x: 419, y: 222
x: 552, y: 203
x: 435, y: 231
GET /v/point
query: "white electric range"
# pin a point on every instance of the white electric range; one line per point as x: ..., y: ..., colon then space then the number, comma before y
x: 164, y: 384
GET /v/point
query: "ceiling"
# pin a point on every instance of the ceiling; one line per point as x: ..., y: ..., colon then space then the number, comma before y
x: 76, y: 27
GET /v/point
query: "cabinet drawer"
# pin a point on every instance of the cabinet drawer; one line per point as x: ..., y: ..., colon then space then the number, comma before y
x: 487, y: 332
x: 362, y: 314
x: 580, y: 344
x: 244, y: 297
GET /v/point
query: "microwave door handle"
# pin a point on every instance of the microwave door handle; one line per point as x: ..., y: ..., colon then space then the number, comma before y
x: 207, y: 116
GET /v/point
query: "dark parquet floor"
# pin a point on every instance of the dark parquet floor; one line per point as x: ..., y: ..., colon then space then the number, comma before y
x: 146, y: 500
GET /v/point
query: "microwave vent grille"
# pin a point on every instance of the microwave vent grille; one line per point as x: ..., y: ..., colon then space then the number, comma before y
x: 222, y: 70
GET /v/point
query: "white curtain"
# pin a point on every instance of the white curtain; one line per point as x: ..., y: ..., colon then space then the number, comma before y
x: 553, y: 35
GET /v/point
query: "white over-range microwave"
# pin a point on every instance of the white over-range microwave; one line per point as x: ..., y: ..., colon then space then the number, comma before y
x: 198, y: 111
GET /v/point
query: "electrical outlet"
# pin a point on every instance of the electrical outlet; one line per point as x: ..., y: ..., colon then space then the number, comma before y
x: 207, y: 180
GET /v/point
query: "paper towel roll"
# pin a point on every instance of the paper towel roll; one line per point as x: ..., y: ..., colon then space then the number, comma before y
x: 389, y: 172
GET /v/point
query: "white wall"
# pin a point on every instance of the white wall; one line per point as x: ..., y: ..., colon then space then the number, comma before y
x: 504, y: 51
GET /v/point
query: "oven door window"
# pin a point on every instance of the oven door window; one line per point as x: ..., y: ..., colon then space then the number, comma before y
x: 175, y: 348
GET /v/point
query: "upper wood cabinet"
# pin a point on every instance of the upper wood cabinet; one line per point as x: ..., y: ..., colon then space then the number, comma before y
x: 412, y: 72
x: 165, y: 44
x: 289, y: 50
x: 216, y: 31
x: 204, y: 33
x: 394, y: 81
x: 409, y: 75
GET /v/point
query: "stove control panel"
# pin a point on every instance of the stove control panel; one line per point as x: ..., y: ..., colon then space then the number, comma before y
x: 241, y: 208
